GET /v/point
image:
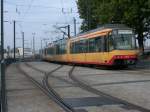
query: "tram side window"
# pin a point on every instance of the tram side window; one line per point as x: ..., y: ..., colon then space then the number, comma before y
x: 45, y: 52
x: 111, y: 43
x: 73, y: 48
x: 82, y: 46
x: 104, y: 44
x: 92, y: 45
x: 98, y: 47
x: 54, y: 50
x: 98, y: 44
x: 57, y: 49
x: 77, y: 47
x: 60, y: 47
x: 49, y: 51
x: 63, y: 47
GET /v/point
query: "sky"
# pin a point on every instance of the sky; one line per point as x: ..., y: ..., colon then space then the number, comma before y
x: 38, y: 18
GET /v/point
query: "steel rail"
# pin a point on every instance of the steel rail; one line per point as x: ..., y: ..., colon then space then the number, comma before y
x: 48, y: 89
x: 105, y: 95
x: 97, y: 92
x: 56, y: 77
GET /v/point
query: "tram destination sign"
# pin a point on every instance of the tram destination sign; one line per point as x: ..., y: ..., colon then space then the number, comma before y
x: 125, y: 32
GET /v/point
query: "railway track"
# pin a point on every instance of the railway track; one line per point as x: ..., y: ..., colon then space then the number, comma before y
x: 51, y: 75
x: 46, y: 88
x: 87, y: 87
x: 105, y: 95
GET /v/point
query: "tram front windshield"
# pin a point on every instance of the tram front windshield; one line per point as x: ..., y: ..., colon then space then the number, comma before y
x: 122, y: 40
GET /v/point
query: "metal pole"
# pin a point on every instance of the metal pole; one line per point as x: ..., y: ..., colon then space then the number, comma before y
x: 46, y: 44
x: 75, y: 31
x: 3, y: 86
x: 2, y: 33
x: 41, y: 48
x: 68, y: 31
x: 23, y: 44
x: 14, y: 40
x: 41, y: 45
x: 33, y: 45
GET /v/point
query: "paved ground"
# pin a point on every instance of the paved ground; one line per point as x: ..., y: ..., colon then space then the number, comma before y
x: 24, y: 96
x: 131, y: 85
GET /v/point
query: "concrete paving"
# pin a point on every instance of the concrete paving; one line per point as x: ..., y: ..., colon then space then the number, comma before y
x: 117, y: 83
x: 24, y: 96
x: 132, y: 85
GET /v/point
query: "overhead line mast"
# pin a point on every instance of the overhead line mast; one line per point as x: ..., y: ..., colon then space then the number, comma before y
x: 3, y: 85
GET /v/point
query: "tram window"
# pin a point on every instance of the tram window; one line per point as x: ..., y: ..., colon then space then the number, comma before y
x: 106, y: 44
x: 86, y: 45
x: 79, y: 46
x: 76, y: 49
x: 63, y: 49
x: 111, y: 43
x: 102, y: 44
x: 57, y: 49
x: 83, y: 46
x: 92, y: 45
x: 98, y: 44
x: 54, y: 49
x: 73, y: 47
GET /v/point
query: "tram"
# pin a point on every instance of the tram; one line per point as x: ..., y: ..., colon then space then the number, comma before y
x: 108, y: 45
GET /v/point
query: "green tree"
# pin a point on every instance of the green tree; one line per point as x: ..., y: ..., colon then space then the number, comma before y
x: 134, y: 13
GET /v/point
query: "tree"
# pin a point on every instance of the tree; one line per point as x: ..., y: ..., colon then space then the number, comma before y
x: 134, y: 13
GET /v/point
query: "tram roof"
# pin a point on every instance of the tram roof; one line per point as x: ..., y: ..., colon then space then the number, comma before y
x: 106, y: 26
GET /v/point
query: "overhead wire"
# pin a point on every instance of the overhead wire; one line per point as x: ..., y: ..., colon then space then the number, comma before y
x: 31, y: 5
x: 62, y: 4
x: 39, y: 6
x: 28, y: 9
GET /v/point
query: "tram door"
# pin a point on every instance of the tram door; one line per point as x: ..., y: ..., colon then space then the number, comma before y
x: 80, y: 51
x: 105, y: 53
x: 93, y: 56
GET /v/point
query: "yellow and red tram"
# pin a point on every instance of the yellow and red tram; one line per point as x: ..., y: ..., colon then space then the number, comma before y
x: 108, y: 45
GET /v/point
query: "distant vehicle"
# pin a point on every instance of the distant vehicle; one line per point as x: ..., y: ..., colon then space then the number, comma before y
x: 19, y: 53
x: 28, y: 52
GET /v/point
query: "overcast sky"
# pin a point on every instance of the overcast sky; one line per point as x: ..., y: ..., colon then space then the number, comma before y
x: 39, y: 17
